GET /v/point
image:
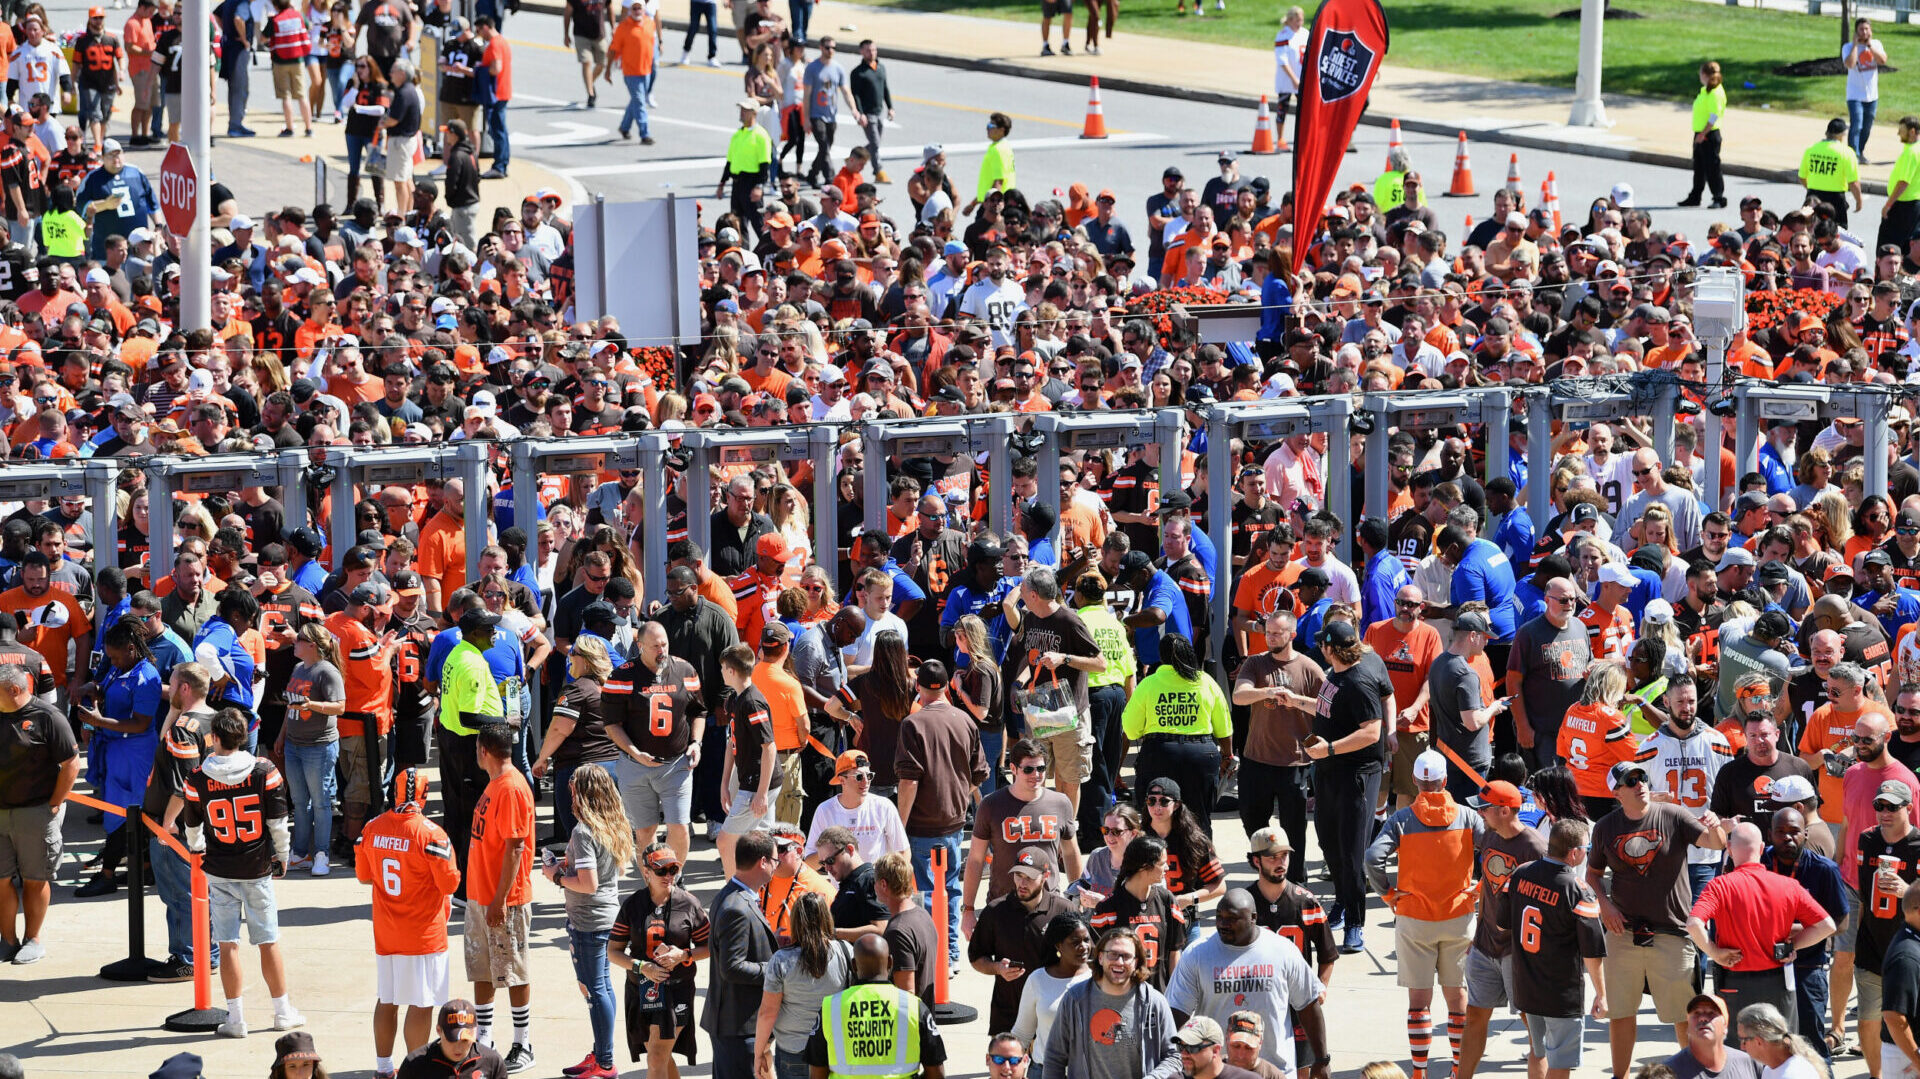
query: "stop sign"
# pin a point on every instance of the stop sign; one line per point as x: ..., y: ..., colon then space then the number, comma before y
x: 179, y: 187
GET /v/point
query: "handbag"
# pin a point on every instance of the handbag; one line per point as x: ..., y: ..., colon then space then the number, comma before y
x: 1050, y: 709
x: 377, y: 157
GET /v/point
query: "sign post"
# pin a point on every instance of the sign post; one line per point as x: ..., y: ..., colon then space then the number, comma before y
x: 196, y: 132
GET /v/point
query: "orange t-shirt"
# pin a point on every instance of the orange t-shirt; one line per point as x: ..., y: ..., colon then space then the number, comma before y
x: 443, y: 552
x: 47, y: 632
x: 1828, y: 728
x: 502, y: 819
x: 1407, y: 656
x: 633, y: 44
x: 785, y: 703
x: 714, y: 588
x: 1262, y: 590
x: 777, y: 899
x: 367, y: 669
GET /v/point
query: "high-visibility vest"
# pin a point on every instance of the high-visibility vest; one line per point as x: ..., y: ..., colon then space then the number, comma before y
x: 289, y: 41
x: 873, y: 1032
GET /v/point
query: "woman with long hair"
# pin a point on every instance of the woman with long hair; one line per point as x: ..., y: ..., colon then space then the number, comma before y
x: 1781, y: 1054
x: 124, y: 709
x: 1172, y: 713
x: 658, y: 938
x: 1839, y: 519
x: 812, y: 968
x: 1069, y: 939
x: 818, y: 586
x: 1349, y: 757
x: 576, y: 735
x: 309, y: 742
x: 1098, y: 870
x: 598, y: 848
x: 1555, y: 794
x: 882, y: 695
x: 1873, y: 524
x: 977, y: 690
x: 787, y: 508
x: 366, y: 106
x: 1595, y: 735
x: 1194, y: 872
x: 1141, y: 898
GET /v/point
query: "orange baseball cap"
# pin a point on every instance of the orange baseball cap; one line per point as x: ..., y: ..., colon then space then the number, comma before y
x: 848, y: 763
x: 772, y: 545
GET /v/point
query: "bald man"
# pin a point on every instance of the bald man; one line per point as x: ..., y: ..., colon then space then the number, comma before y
x: 442, y: 559
x: 862, y: 1017
x: 1270, y: 978
x: 1754, y: 914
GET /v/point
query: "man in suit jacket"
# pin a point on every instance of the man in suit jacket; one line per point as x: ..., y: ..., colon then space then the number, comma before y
x: 743, y: 943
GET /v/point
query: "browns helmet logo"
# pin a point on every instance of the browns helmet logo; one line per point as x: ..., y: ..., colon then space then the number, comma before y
x: 1106, y: 1026
x: 1638, y: 849
x: 1497, y: 867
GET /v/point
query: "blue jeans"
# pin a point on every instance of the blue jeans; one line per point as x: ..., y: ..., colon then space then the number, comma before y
x: 356, y: 149
x: 990, y: 744
x: 1814, y: 994
x: 310, y: 784
x: 1860, y: 125
x: 173, y: 880
x: 800, y: 13
x: 790, y: 1065
x: 563, y: 818
x: 497, y: 131
x: 338, y: 76
x: 696, y: 11
x: 636, y: 113
x: 923, y: 875
x: 590, y: 970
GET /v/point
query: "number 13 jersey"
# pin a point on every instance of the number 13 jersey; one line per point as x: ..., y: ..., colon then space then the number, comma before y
x: 1685, y: 766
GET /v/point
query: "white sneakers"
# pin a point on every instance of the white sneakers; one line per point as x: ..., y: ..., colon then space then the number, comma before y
x: 321, y: 867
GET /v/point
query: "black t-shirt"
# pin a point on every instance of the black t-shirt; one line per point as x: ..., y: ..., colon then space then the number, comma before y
x: 588, y: 17
x: 1900, y: 979
x: 1555, y: 922
x: 916, y: 946
x: 1880, y: 918
x: 1161, y: 925
x: 387, y: 24
x: 588, y: 741
x: 1249, y: 522
x: 266, y: 523
x: 404, y: 111
x: 1062, y: 631
x: 34, y: 743
x: 1350, y: 698
x: 1009, y: 929
x: 749, y: 726
x: 855, y: 903
x: 1740, y: 788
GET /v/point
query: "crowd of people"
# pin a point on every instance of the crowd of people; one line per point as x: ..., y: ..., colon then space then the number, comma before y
x: 1658, y: 741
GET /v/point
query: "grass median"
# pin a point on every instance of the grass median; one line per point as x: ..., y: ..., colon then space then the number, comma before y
x: 1526, y: 41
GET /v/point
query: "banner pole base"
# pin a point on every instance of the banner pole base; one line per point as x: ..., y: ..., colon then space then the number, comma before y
x: 195, y: 1020
x: 133, y: 968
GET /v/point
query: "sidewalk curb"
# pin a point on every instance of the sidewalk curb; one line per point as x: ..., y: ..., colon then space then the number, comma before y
x: 1124, y: 84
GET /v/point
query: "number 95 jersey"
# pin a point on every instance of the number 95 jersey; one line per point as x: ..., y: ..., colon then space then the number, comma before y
x: 237, y: 809
x: 1685, y: 767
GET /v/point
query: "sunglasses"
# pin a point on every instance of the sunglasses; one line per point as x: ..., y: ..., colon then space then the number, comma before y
x: 861, y: 776
x: 1161, y: 800
x: 1887, y: 807
x: 1104, y: 830
x: 1005, y: 1059
x: 1033, y: 769
x: 664, y: 871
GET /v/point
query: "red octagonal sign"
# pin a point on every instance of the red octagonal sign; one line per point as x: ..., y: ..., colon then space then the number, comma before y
x: 179, y: 186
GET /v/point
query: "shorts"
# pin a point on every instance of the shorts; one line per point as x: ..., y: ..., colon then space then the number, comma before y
x: 656, y: 794
x: 1663, y: 968
x: 1849, y: 931
x: 1412, y: 744
x: 412, y: 981
x: 1428, y: 949
x: 1489, y: 980
x: 356, y: 788
x: 31, y: 842
x: 1053, y: 8
x: 96, y: 106
x: 289, y: 80
x: 741, y: 818
x: 146, y: 87
x: 400, y: 149
x: 229, y: 898
x: 590, y: 50
x: 1895, y: 1065
x: 1070, y: 755
x: 673, y: 1022
x: 172, y: 103
x: 497, y: 955
x: 1869, y: 986
x: 1557, y: 1040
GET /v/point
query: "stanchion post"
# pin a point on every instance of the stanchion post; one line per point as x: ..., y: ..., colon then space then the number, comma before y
x: 136, y: 966
x: 944, y: 1010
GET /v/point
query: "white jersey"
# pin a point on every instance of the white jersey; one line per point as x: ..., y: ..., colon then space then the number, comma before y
x: 1685, y: 767
x: 997, y: 305
x: 1613, y: 479
x: 1289, y: 51
x: 38, y: 69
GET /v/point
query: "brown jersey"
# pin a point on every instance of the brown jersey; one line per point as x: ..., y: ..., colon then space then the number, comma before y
x: 656, y: 710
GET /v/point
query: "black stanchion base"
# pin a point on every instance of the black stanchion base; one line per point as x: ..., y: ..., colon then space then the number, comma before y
x: 195, y: 1021
x: 134, y: 968
x: 950, y: 1013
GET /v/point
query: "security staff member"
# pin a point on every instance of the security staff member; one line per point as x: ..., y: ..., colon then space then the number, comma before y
x: 873, y: 1028
x: 749, y: 165
x: 1829, y: 172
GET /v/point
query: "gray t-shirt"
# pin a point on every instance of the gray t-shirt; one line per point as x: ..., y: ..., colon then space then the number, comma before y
x: 1686, y: 513
x: 1745, y: 656
x: 592, y: 913
x: 1268, y: 977
x: 1116, y: 1056
x: 1738, y: 1066
x: 1552, y: 664
x: 825, y: 82
x: 1453, y: 688
x: 817, y: 664
x: 801, y: 993
x: 316, y: 681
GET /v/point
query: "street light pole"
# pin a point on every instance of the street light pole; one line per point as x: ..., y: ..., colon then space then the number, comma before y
x: 196, y: 130
x: 1588, y: 109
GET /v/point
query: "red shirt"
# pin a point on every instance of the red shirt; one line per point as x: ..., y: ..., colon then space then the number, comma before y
x: 1752, y: 909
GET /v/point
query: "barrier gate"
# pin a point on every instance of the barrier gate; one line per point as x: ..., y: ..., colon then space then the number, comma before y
x: 936, y: 437
x: 1423, y: 411
x: 96, y: 479
x: 756, y: 446
x: 1062, y: 431
x: 1595, y: 400
x: 170, y: 477
x: 1755, y: 402
x: 357, y: 468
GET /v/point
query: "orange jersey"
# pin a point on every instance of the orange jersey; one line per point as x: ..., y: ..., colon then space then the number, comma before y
x: 1261, y: 591
x: 779, y: 896
x: 786, y: 704
x: 1594, y: 738
x: 502, y: 820
x: 713, y: 587
x: 1828, y: 728
x: 367, y: 668
x: 409, y: 861
x: 48, y: 624
x: 1609, y: 635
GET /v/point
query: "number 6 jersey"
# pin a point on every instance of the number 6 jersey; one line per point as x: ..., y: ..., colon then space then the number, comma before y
x: 409, y: 861
x: 238, y: 802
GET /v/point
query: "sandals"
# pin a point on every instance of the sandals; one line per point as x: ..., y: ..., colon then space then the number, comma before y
x: 1840, y: 1045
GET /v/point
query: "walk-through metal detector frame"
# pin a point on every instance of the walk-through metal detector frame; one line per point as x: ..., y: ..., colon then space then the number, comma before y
x: 1754, y: 402
x: 362, y: 467
x: 817, y: 442
x: 96, y: 478
x: 1579, y: 400
x: 1064, y: 431
x: 956, y: 435
x: 1267, y: 421
x: 226, y: 473
x: 1423, y: 411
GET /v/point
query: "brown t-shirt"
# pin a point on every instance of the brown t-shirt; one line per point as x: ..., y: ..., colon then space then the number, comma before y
x: 1009, y: 929
x: 1274, y: 730
x: 916, y: 946
x: 981, y: 682
x: 1012, y: 826
x: 1499, y: 857
x: 940, y: 747
x: 1648, y: 858
x: 1063, y: 632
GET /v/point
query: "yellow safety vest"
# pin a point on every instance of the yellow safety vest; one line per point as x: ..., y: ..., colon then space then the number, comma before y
x: 873, y: 1032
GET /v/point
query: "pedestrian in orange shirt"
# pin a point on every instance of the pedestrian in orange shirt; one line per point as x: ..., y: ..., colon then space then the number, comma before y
x: 633, y: 45
x: 410, y: 861
x: 500, y: 892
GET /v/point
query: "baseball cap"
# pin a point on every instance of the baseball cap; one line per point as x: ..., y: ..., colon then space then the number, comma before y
x: 1878, y: 556
x: 1712, y: 1000
x: 1624, y: 774
x: 408, y: 583
x: 775, y: 635
x: 1773, y: 571
x: 1312, y: 577
x: 1497, y: 793
x: 1269, y: 841
x: 846, y: 764
x: 1339, y: 634
x: 457, y: 1018
x: 1583, y: 513
x: 1033, y: 860
x: 1616, y: 573
x: 1165, y: 787
x: 477, y: 619
x: 1790, y: 789
x: 1472, y: 622
x: 1429, y: 767
x: 1623, y: 195
x: 1657, y: 612
x: 307, y: 542
x: 1199, y: 1033
x: 1735, y: 556
x: 238, y: 222
x: 772, y: 545
x: 369, y: 592
x: 1894, y: 791
x: 1246, y: 1026
x: 1839, y: 569
x: 1748, y: 502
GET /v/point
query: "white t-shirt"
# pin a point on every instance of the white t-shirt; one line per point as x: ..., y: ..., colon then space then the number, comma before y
x: 876, y: 827
x: 1039, y: 1003
x: 1289, y: 49
x: 860, y: 652
x: 997, y: 304
x: 38, y: 69
x: 1863, y: 80
x: 1613, y: 479
x: 1268, y: 977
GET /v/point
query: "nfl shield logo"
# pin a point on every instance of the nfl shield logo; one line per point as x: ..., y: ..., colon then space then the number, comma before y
x: 1345, y: 61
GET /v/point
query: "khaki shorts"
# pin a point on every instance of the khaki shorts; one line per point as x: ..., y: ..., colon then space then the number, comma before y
x: 590, y: 50
x: 289, y: 81
x: 31, y: 840
x: 400, y: 158
x: 498, y: 955
x: 1070, y: 755
x: 1412, y: 744
x: 146, y: 89
x: 1427, y: 949
x: 356, y: 788
x: 1663, y: 968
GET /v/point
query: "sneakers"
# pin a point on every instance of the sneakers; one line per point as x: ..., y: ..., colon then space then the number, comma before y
x: 597, y: 1072
x: 684, y: 56
x: 520, y: 1057
x: 1066, y: 48
x: 321, y: 867
x: 174, y: 969
x: 1718, y: 204
x: 626, y: 134
x: 8, y: 951
x: 646, y: 140
x: 31, y: 951
x: 1046, y: 48
x: 1690, y: 200
x: 586, y: 1063
x: 593, y: 101
x: 300, y: 861
x: 1093, y: 50
x: 289, y: 1021
x: 712, y: 61
x: 1336, y: 918
x: 234, y: 1027
x: 652, y: 102
x: 1354, y: 942
x: 494, y: 174
x: 287, y: 132
x: 101, y: 884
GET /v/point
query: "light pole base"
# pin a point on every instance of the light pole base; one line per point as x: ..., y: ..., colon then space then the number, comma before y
x: 949, y: 1014
x: 1589, y: 114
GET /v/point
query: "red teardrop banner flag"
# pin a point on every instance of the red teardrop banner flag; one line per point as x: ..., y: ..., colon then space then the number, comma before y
x: 1345, y: 48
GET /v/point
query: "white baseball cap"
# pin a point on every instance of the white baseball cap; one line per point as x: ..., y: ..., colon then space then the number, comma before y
x: 1623, y: 195
x: 1429, y: 767
x: 1618, y: 573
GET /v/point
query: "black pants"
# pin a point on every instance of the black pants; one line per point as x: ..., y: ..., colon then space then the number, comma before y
x: 1345, y: 795
x: 273, y: 716
x: 707, y: 777
x: 1192, y: 763
x: 1899, y: 225
x: 1104, y: 705
x: 822, y: 166
x: 1270, y: 789
x: 1281, y: 104
x: 1744, y: 988
x: 1835, y: 199
x: 1706, y: 168
x: 748, y: 190
x: 816, y: 769
x: 709, y: 11
x: 463, y: 781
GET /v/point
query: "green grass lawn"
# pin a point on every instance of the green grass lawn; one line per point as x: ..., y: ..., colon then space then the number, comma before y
x: 1521, y: 39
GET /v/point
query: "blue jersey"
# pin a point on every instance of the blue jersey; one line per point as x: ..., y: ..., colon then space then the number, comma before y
x: 1202, y: 545
x: 1779, y: 479
x: 1162, y: 594
x: 218, y: 648
x: 1386, y: 576
x: 136, y: 691
x: 1040, y: 552
x: 1646, y: 591
x: 1513, y: 534
x: 1485, y: 574
x: 503, y: 510
x: 312, y: 577
x: 904, y: 590
x: 1906, y: 609
x: 1528, y: 601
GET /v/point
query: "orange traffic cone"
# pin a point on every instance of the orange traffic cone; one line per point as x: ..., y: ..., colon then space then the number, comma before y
x: 1265, y: 139
x: 1551, y: 201
x: 1393, y: 143
x: 1462, y: 185
x: 1513, y: 174
x: 1096, y: 127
